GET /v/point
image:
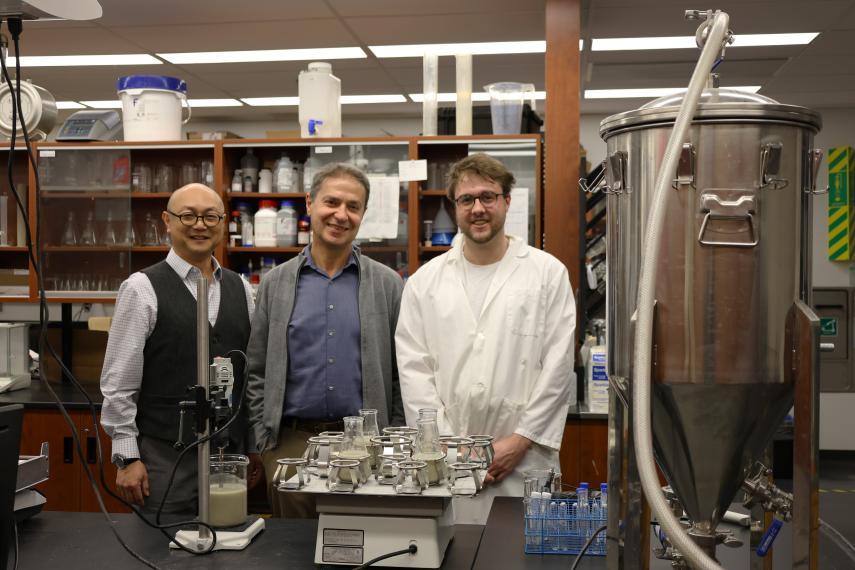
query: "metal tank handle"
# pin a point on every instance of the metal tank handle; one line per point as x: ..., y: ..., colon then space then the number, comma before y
x: 716, y: 208
x: 616, y: 161
x: 598, y: 183
x: 770, y: 166
x: 815, y: 156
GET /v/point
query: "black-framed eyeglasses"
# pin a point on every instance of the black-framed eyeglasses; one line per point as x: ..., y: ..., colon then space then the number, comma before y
x: 188, y: 219
x: 486, y: 198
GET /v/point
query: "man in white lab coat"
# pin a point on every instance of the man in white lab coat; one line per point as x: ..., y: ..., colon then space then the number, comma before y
x: 485, y: 336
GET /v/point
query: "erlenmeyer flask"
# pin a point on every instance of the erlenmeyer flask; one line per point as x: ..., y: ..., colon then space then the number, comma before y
x: 69, y: 234
x: 128, y: 236
x: 427, y: 448
x: 369, y: 430
x: 427, y: 414
x: 353, y: 444
x: 110, y: 235
x: 151, y: 235
x: 88, y: 235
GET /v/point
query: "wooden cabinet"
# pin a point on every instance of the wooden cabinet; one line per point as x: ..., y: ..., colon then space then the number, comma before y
x: 584, y: 452
x: 68, y: 487
x: 100, y: 203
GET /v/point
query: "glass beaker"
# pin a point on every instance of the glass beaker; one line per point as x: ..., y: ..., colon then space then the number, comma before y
x: 506, y: 105
x: 227, y: 484
x: 427, y: 448
x: 164, y: 178
x: 141, y: 178
x: 545, y: 480
x: 353, y: 444
x: 189, y: 174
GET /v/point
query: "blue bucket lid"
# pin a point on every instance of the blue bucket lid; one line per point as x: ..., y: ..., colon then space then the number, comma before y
x: 163, y: 82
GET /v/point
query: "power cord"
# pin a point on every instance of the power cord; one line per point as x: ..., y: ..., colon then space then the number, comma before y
x: 587, y: 545
x: 412, y: 549
x: 17, y: 547
x: 36, y: 257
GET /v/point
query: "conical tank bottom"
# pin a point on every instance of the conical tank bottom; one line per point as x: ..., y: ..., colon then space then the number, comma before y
x: 706, y: 437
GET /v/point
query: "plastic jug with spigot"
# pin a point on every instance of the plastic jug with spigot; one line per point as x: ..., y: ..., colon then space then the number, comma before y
x: 320, y: 101
x: 506, y: 105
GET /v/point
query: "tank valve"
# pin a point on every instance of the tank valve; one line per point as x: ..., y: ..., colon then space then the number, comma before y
x: 759, y: 490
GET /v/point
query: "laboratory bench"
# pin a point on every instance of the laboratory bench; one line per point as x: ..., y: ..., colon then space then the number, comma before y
x: 82, y: 541
x: 583, y: 455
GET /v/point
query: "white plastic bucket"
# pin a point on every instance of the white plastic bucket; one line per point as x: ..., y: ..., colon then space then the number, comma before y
x: 152, y: 107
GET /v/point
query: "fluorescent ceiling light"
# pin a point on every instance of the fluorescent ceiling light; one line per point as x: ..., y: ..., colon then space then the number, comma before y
x: 479, y: 48
x: 312, y: 54
x: 214, y: 103
x: 357, y: 99
x: 271, y: 101
x: 69, y: 105
x: 84, y: 60
x: 477, y: 96
x: 111, y: 104
x: 749, y: 40
x: 651, y: 92
x: 345, y: 100
x: 686, y: 42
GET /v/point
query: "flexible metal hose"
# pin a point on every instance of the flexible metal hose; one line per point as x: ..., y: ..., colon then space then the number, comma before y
x: 641, y: 385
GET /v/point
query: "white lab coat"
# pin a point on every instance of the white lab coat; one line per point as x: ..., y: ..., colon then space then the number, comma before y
x: 508, y: 370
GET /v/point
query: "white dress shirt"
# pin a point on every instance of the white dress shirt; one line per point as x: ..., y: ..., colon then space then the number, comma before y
x: 134, y: 320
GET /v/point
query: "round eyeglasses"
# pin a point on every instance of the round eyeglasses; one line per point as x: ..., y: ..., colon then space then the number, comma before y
x: 486, y: 199
x: 210, y: 219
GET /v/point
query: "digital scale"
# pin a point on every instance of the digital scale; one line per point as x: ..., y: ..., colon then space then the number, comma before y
x: 91, y: 125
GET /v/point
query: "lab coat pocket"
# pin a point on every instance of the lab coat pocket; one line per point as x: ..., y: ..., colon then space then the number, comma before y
x: 525, y: 312
x: 507, y: 418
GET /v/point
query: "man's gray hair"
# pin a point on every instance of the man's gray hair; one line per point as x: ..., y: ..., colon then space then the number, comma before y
x: 337, y: 170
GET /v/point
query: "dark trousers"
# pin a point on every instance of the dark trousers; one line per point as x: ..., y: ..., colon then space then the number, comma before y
x: 159, y: 457
x: 292, y: 443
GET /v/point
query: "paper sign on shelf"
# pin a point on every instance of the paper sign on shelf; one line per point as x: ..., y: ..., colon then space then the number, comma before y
x: 412, y: 170
x: 516, y: 222
x: 381, y: 216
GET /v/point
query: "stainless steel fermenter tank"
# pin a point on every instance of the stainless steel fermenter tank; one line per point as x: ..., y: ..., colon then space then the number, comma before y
x: 733, y: 265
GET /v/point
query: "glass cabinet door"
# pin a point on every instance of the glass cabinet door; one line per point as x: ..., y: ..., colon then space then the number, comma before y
x: 87, y: 228
x: 101, y: 209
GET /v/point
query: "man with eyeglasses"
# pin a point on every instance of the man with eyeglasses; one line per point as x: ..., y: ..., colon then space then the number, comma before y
x: 485, y: 336
x: 150, y: 353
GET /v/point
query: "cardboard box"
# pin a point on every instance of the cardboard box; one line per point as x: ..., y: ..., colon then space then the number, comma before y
x: 841, y: 201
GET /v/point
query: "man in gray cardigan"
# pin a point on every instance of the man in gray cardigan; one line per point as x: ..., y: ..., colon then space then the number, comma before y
x: 322, y: 340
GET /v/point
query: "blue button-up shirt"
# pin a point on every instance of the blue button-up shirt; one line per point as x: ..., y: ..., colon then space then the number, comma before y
x: 324, y: 356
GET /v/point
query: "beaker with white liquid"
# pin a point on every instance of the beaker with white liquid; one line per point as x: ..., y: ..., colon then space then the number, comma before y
x: 228, y: 490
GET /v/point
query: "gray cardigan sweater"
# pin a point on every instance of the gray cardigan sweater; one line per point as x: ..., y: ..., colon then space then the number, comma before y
x: 379, y: 301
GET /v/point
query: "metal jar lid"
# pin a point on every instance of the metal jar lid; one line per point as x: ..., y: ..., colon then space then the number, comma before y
x: 717, y: 105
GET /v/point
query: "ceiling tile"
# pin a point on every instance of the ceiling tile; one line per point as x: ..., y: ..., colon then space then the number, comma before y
x: 447, y: 28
